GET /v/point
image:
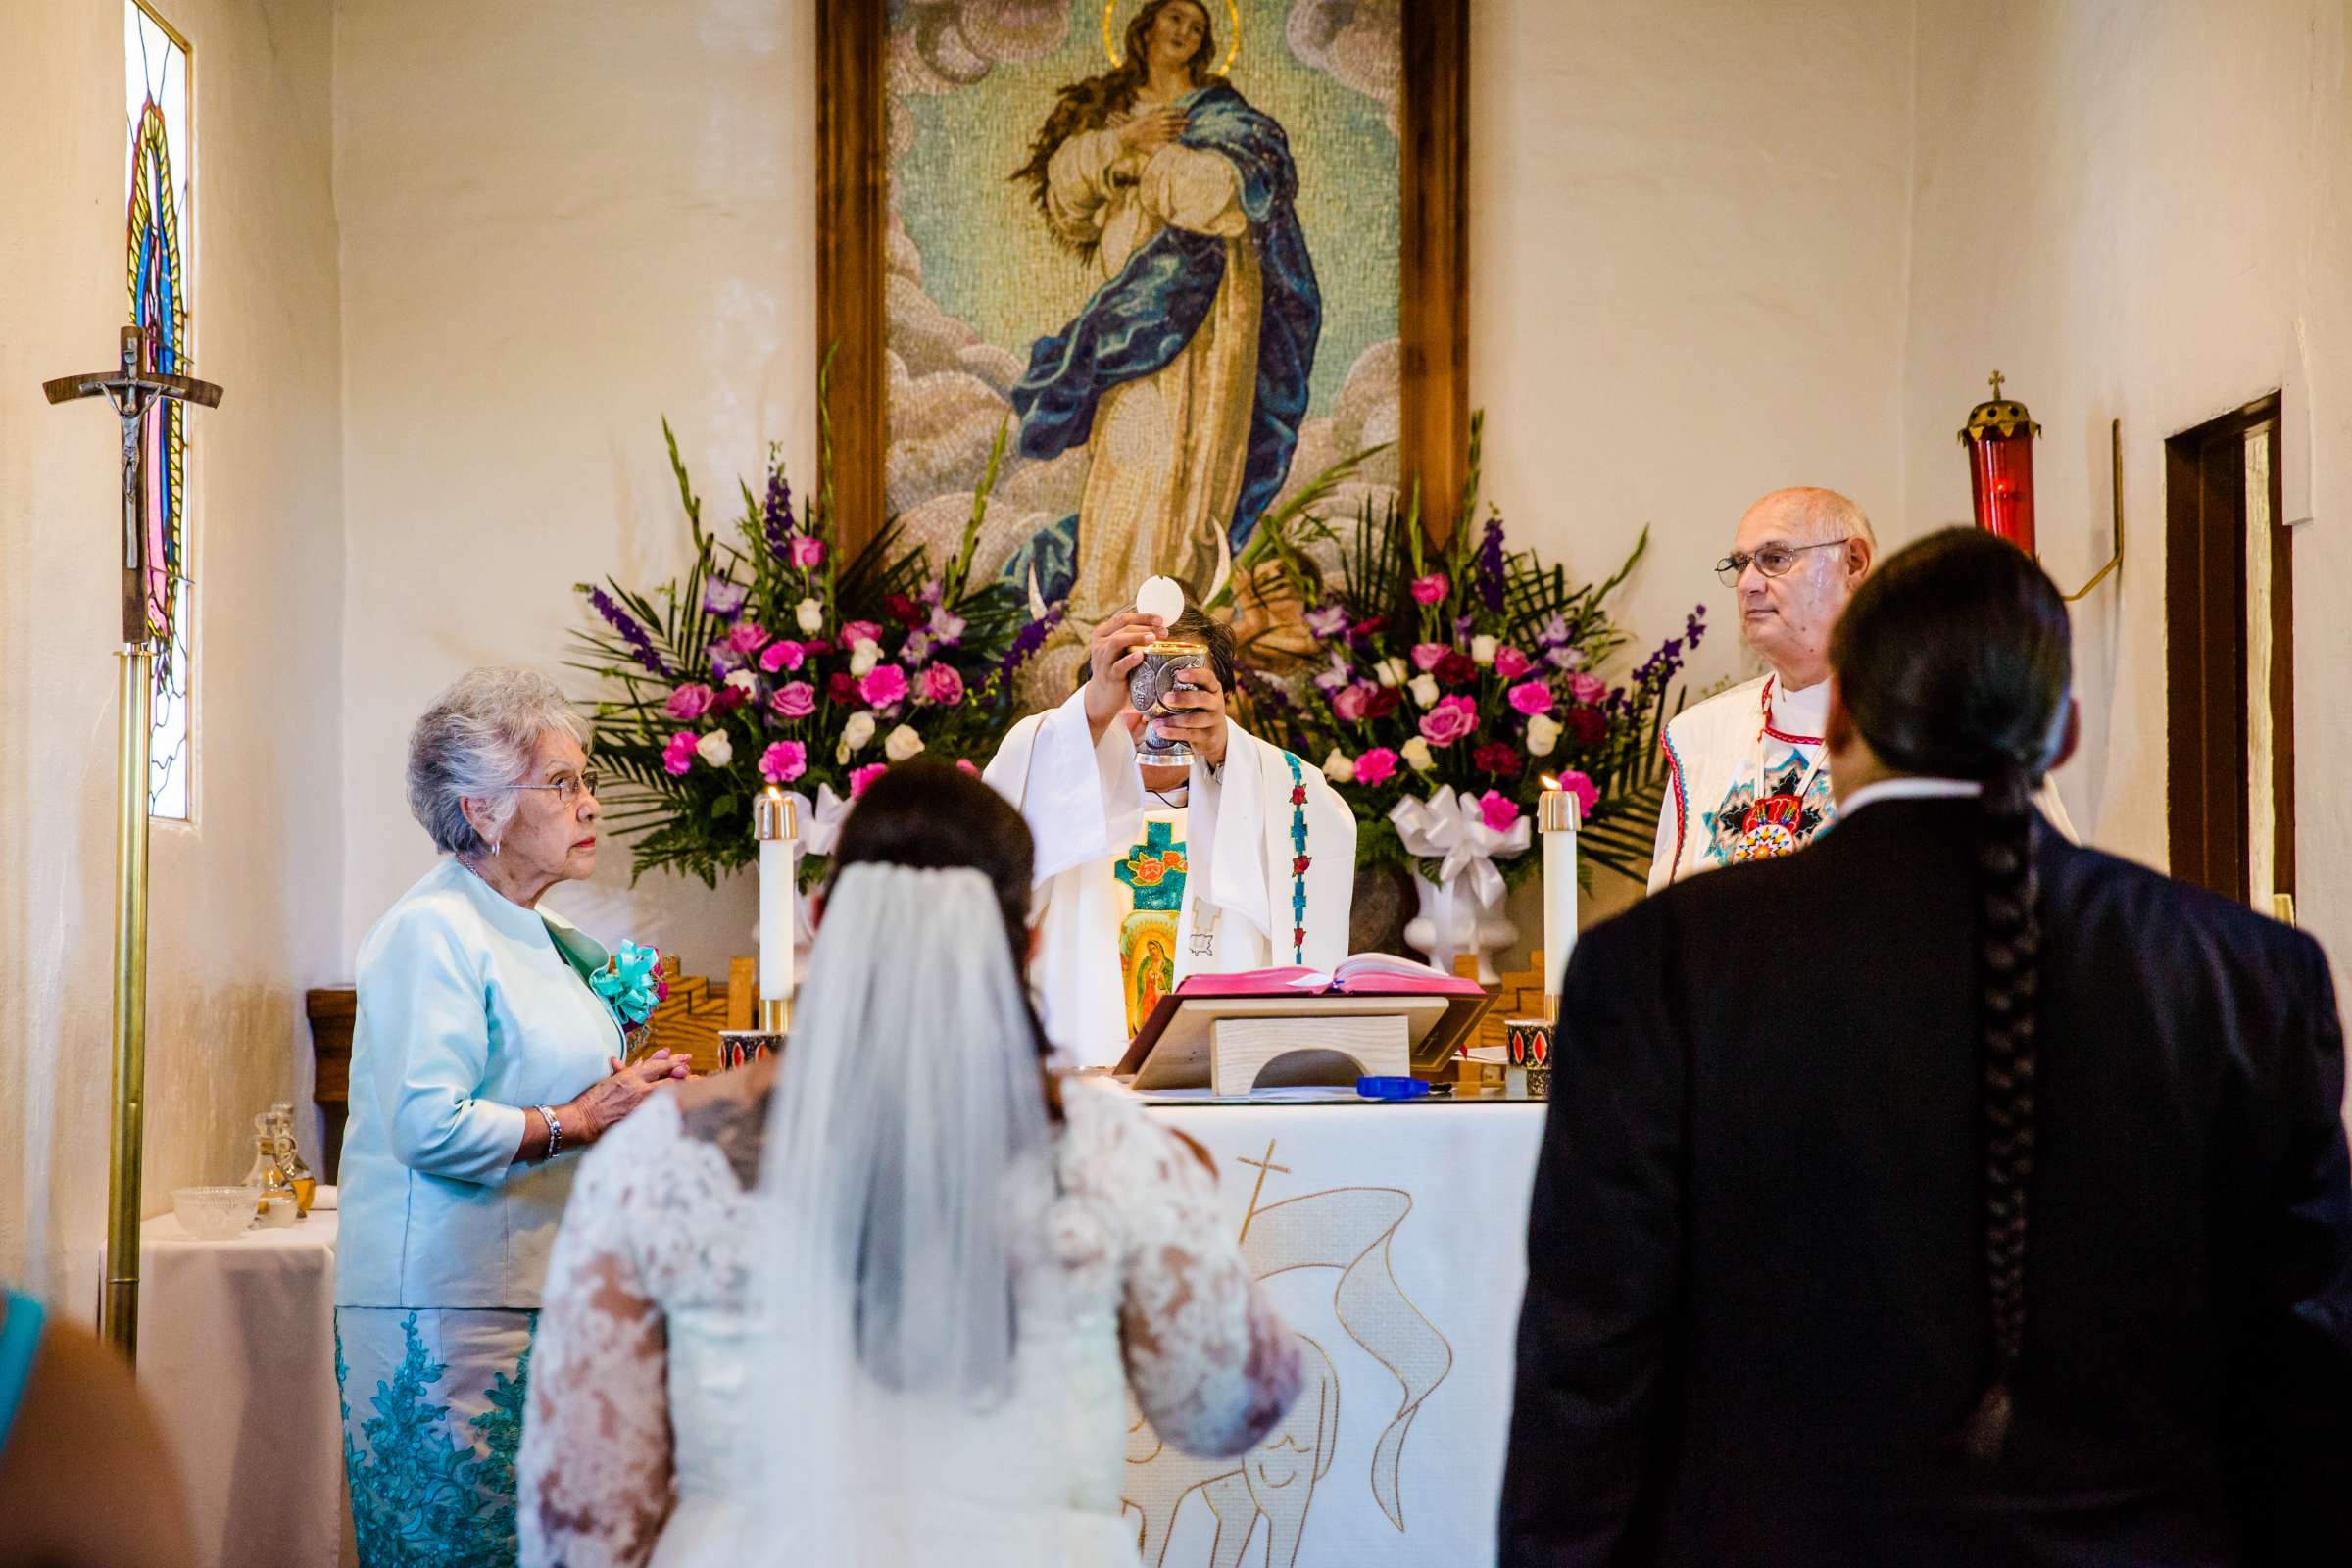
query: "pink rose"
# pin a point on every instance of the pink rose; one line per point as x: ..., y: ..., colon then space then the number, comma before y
x: 942, y: 685
x: 1531, y: 696
x: 1427, y: 655
x: 808, y: 552
x: 1586, y: 688
x: 859, y: 631
x: 746, y: 637
x: 679, y: 756
x: 883, y: 685
x: 794, y: 700
x: 1431, y: 589
x: 1587, y: 796
x: 860, y: 777
x: 1349, y: 704
x: 783, y: 654
x: 784, y: 761
x: 1376, y: 766
x: 1510, y: 664
x: 689, y: 702
x: 1452, y: 719
x: 1498, y: 810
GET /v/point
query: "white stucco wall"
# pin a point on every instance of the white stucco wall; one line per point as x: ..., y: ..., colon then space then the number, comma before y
x: 2139, y: 211
x: 557, y: 226
x: 243, y: 907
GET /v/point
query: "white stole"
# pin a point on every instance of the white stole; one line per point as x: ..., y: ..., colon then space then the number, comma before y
x: 1084, y: 803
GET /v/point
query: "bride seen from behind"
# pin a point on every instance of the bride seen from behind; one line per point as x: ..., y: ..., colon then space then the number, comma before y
x: 882, y: 1305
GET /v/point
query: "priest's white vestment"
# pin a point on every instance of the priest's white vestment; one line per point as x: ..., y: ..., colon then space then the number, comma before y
x: 1715, y: 754
x: 1268, y: 865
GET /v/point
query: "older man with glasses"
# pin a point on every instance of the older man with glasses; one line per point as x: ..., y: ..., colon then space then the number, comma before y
x: 1746, y: 775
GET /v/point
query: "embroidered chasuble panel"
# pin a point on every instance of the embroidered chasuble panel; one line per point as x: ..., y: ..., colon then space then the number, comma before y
x: 1151, y: 878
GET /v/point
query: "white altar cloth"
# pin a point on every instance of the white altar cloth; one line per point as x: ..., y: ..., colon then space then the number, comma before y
x: 237, y: 1360
x: 1393, y: 1237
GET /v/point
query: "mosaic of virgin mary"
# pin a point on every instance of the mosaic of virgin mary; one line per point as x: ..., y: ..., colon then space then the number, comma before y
x: 1186, y: 374
x: 1156, y: 242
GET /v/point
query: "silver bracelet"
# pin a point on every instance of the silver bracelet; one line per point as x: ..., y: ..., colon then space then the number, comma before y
x: 554, y: 1131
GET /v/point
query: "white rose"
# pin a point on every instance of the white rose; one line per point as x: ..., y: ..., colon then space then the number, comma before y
x: 1425, y: 690
x: 901, y: 743
x: 864, y: 657
x: 715, y: 748
x: 1389, y: 671
x: 841, y: 753
x: 859, y: 730
x: 1339, y: 767
x: 1481, y: 649
x: 742, y: 680
x: 1415, y: 753
x: 1543, y: 734
x: 811, y: 616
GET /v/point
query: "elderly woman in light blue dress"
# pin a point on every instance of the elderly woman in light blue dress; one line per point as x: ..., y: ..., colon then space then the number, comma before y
x: 481, y: 1057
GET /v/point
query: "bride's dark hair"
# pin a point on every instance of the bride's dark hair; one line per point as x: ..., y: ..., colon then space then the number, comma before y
x: 1954, y: 661
x: 925, y: 814
x: 1088, y: 105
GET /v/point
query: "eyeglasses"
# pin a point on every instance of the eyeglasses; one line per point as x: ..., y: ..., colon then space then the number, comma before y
x: 570, y: 789
x: 1773, y: 561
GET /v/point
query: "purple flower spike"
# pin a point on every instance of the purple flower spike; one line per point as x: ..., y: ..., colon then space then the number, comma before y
x: 636, y: 636
x: 777, y: 517
x: 1030, y: 637
x: 1489, y: 574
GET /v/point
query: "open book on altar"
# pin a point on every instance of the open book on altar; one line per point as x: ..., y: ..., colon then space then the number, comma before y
x: 1436, y: 1013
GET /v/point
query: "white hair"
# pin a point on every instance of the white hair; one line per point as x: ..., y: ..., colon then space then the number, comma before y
x: 477, y: 742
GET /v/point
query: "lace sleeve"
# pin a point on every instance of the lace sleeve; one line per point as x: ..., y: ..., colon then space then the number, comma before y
x: 593, y: 1480
x: 1212, y: 1365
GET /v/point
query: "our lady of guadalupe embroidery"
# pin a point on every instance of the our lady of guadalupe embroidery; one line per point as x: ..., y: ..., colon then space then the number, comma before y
x: 1156, y: 870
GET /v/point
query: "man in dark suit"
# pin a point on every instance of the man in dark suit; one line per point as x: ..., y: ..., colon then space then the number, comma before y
x: 1942, y: 1193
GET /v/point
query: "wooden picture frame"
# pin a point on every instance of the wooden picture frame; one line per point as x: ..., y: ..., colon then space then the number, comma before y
x: 1434, y: 240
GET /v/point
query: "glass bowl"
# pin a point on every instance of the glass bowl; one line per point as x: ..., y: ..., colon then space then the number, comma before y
x: 214, y: 1213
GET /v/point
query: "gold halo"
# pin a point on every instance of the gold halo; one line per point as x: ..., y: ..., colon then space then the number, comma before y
x: 1233, y: 12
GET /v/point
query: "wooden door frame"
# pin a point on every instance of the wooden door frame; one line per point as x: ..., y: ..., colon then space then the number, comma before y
x: 2206, y: 651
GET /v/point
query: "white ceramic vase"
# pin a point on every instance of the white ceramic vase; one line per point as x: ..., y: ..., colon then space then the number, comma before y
x: 1453, y: 921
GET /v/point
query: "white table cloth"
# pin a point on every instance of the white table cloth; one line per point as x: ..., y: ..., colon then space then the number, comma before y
x: 237, y: 1357
x: 1394, y: 1238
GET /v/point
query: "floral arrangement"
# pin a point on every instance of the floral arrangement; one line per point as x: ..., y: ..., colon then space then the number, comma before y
x: 1472, y: 667
x: 775, y: 662
x: 632, y: 985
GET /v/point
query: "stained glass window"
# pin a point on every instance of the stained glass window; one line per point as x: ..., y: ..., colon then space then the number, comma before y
x: 161, y: 245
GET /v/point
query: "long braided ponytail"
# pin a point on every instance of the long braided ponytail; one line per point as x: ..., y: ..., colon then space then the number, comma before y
x: 1954, y: 661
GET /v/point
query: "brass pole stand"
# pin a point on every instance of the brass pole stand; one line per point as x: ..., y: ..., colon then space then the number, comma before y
x: 118, y: 1297
x: 133, y: 387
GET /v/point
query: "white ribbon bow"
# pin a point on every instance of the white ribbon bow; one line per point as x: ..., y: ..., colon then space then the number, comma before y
x: 820, y: 822
x: 820, y: 829
x: 1450, y: 828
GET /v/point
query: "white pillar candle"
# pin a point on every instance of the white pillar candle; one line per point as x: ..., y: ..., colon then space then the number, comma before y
x: 775, y: 822
x: 1556, y: 814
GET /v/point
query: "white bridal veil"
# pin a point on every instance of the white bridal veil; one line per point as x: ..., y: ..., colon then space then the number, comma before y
x: 908, y: 1289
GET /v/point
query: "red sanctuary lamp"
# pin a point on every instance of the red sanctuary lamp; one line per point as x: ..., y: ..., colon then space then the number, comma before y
x: 1999, y: 437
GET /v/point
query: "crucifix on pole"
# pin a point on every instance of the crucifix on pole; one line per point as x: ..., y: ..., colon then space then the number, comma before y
x: 134, y: 387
